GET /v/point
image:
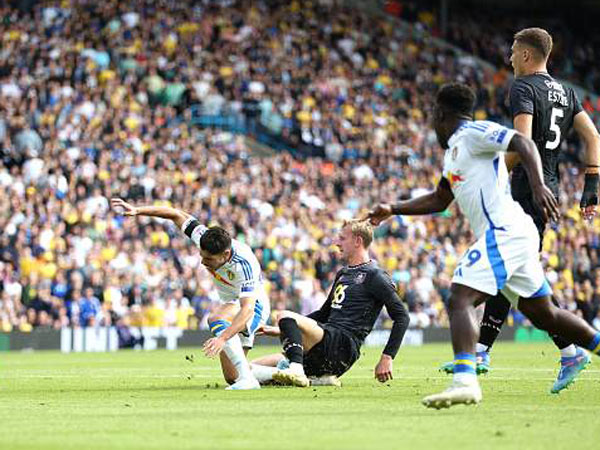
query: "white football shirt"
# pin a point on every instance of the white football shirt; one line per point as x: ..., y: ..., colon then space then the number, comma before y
x: 475, y: 168
x: 239, y: 277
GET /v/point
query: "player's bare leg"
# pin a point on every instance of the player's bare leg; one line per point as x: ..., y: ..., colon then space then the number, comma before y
x: 266, y: 366
x: 269, y: 360
x: 234, y: 364
x: 312, y: 333
x: 465, y: 332
x: 545, y: 315
x: 298, y: 335
x: 230, y: 373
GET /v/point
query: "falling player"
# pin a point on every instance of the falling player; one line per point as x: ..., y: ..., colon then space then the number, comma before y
x: 237, y: 276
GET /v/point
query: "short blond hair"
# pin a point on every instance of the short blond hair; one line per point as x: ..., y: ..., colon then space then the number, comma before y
x: 360, y: 228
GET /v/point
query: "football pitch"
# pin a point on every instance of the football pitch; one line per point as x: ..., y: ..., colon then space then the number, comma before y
x: 161, y: 400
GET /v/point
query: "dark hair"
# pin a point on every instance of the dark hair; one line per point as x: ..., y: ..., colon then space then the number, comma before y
x: 536, y: 38
x: 215, y: 240
x: 456, y: 98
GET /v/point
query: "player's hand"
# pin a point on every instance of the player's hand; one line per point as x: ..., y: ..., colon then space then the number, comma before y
x: 383, y: 369
x: 268, y: 330
x: 126, y: 209
x: 588, y: 204
x: 213, y: 347
x: 545, y: 200
x: 379, y: 214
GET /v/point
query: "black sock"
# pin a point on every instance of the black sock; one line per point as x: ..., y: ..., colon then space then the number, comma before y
x: 291, y: 339
x: 495, y: 313
x: 558, y: 341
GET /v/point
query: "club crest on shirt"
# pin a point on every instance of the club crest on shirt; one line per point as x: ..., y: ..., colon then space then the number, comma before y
x: 360, y: 278
x: 230, y: 275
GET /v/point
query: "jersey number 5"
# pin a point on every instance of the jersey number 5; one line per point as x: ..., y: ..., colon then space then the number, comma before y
x: 556, y: 113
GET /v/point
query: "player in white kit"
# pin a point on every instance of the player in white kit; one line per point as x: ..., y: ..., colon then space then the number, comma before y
x: 505, y: 256
x: 244, y: 305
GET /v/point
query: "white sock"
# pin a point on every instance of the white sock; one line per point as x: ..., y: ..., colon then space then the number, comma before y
x: 481, y: 348
x: 464, y: 378
x: 234, y: 351
x: 263, y: 373
x: 297, y: 367
x: 569, y: 351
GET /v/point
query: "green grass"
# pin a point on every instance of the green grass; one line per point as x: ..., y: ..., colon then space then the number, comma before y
x: 159, y: 400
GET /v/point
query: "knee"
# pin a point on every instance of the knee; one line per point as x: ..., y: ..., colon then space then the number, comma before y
x: 285, y: 314
x: 458, y: 303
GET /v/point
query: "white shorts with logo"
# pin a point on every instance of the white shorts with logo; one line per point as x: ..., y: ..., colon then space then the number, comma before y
x: 505, y: 261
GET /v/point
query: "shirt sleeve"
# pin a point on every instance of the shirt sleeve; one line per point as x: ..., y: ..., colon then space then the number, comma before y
x: 489, y: 138
x: 521, y: 98
x: 577, y: 108
x: 194, y: 230
x: 251, y: 277
x: 384, y: 289
x: 247, y: 288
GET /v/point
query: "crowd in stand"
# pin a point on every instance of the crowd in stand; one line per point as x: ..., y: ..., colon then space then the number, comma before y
x: 95, y: 103
x: 487, y: 32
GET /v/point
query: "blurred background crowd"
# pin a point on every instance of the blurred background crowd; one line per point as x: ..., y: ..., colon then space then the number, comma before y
x: 106, y: 99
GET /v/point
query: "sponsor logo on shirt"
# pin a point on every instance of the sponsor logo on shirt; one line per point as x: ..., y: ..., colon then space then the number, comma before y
x: 455, y: 179
x: 360, y: 278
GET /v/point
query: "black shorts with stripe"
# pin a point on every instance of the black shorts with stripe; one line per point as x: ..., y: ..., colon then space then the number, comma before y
x: 334, y: 355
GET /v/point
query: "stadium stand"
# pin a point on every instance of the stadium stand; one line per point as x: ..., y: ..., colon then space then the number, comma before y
x: 156, y: 101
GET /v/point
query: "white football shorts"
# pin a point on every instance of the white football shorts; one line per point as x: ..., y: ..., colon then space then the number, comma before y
x: 507, y: 261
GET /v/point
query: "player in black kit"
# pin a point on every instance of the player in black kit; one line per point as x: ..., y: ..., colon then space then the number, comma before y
x: 327, y: 342
x: 544, y: 110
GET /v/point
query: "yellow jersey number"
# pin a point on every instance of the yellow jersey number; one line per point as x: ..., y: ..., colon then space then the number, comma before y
x: 339, y: 295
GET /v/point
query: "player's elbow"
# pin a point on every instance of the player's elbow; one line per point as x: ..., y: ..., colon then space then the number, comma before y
x: 179, y: 217
x: 442, y: 202
x: 401, y: 315
x: 404, y: 318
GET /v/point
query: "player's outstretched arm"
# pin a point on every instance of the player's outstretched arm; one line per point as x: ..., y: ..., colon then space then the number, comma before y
x: 436, y: 201
x: 164, y: 212
x: 589, y: 134
x: 530, y: 159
